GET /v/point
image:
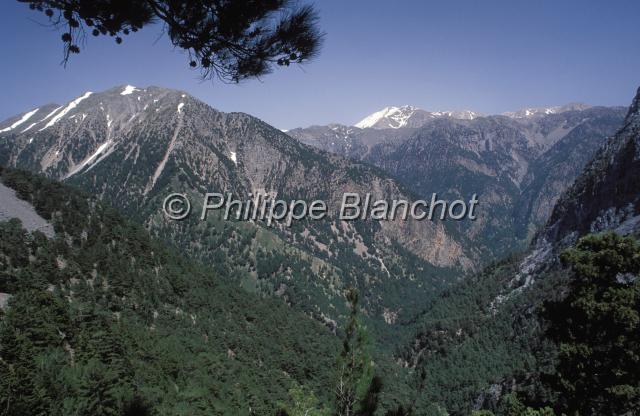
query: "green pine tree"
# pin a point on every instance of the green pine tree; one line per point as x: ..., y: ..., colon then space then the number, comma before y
x: 597, y: 328
x: 358, y: 389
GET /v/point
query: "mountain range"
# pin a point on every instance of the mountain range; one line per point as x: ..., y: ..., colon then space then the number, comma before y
x: 455, y: 299
x: 518, y: 165
x: 133, y: 146
x: 483, y: 339
x: 408, y: 116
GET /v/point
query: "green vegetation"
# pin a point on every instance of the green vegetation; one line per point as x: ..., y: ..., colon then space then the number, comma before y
x: 463, y: 342
x: 358, y: 388
x: 103, y: 319
x: 569, y: 344
x: 597, y: 328
x: 510, y: 405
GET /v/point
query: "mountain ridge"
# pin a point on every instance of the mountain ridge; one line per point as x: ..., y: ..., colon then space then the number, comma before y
x: 606, y: 194
x: 519, y: 167
x: 134, y: 149
x: 410, y: 116
x: 483, y: 340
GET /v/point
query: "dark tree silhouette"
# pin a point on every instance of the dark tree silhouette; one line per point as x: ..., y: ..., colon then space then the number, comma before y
x: 137, y: 406
x: 228, y: 39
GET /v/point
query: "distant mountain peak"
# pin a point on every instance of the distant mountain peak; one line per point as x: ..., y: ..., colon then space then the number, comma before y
x: 128, y: 89
x: 119, y: 100
x: 393, y: 117
x: 408, y: 116
x: 460, y: 115
x: 534, y: 112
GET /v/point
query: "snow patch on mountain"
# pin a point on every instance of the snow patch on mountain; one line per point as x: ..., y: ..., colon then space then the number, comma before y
x: 533, y: 112
x: 29, y: 128
x: 88, y: 160
x: 397, y: 117
x: 73, y: 104
x: 461, y: 115
x: 409, y: 116
x: 55, y: 110
x: 24, y: 118
x: 129, y: 89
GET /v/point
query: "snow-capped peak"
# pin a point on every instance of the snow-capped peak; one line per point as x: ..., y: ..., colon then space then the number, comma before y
x: 129, y: 89
x: 409, y: 116
x: 393, y: 117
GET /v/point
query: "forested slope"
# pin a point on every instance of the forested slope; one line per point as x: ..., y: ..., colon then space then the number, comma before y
x: 101, y: 320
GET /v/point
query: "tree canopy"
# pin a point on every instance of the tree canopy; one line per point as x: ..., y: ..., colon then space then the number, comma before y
x: 597, y: 328
x: 227, y: 39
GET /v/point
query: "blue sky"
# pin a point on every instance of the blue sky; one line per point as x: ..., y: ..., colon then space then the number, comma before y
x: 488, y: 56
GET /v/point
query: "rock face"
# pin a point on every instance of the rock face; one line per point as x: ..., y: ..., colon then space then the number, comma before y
x: 518, y: 165
x: 606, y: 196
x: 129, y: 146
x: 13, y: 207
x: 133, y: 146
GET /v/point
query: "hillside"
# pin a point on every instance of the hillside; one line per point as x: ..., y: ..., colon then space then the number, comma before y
x: 133, y: 146
x: 477, y: 339
x: 100, y: 317
x: 483, y: 338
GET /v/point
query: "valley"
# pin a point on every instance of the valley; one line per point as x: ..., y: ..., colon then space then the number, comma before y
x: 319, y: 208
x: 435, y: 295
